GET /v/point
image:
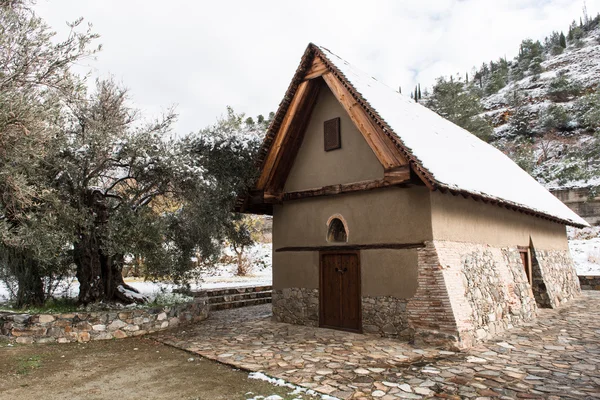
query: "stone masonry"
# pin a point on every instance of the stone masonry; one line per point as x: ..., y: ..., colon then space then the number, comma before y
x: 557, y: 271
x: 386, y: 316
x: 589, y: 282
x: 296, y: 306
x: 100, y: 325
x: 466, y: 293
x: 486, y: 288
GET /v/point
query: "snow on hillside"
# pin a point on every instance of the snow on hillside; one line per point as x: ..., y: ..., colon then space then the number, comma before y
x: 579, y: 65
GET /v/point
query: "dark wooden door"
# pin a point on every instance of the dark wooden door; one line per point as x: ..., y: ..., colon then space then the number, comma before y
x: 524, y: 252
x: 340, y: 297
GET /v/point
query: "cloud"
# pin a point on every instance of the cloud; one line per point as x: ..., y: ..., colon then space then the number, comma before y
x: 203, y: 56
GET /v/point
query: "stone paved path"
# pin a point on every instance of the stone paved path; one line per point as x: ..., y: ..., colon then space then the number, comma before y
x: 555, y: 357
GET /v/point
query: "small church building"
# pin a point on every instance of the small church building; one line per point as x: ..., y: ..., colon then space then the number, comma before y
x: 389, y: 219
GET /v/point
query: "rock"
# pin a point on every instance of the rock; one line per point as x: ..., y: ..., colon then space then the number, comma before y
x: 477, y: 360
x: 361, y: 371
x: 62, y: 340
x: 378, y: 393
x: 423, y: 391
x: 24, y: 340
x: 131, y: 328
x: 405, y: 387
x: 22, y: 318
x: 99, y: 327
x: 118, y: 334
x: 162, y: 316
x: 116, y: 324
x: 324, y: 372
x: 83, y: 337
x: 45, y: 318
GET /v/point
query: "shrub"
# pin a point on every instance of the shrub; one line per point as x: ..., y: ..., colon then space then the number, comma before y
x: 561, y: 89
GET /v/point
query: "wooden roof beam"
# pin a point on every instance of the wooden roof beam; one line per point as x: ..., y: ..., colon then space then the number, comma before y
x: 386, y: 152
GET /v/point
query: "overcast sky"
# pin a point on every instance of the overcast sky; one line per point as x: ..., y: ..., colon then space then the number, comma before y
x: 202, y: 56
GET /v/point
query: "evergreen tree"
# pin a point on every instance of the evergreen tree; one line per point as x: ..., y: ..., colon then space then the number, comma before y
x: 563, y: 41
x: 420, y: 97
x: 520, y: 119
x: 416, y: 94
x: 450, y: 100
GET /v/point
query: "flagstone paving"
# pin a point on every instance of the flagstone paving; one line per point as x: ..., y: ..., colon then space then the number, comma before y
x: 557, y: 356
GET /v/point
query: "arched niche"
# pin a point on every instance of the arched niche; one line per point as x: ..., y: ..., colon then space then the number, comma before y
x: 337, y: 229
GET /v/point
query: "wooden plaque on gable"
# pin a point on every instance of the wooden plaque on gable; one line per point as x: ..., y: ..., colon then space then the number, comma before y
x: 331, y: 129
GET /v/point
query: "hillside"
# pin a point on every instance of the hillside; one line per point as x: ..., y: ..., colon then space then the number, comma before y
x: 543, y: 106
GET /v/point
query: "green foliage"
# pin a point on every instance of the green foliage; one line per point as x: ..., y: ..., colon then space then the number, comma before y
x: 588, y: 111
x: 554, y: 117
x: 35, y: 78
x: 498, y: 78
x: 562, y: 41
x: 26, y: 365
x: 242, y: 232
x: 562, y: 89
x: 520, y: 120
x: 453, y: 101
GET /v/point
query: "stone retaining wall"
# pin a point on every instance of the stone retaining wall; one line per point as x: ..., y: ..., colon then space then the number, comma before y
x: 590, y: 282
x: 99, y: 325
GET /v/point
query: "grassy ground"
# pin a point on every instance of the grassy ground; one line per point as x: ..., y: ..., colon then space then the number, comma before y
x: 120, y: 369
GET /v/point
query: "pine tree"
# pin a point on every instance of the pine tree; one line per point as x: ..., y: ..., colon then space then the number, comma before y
x: 466, y: 77
x: 416, y: 94
x: 563, y: 41
x: 420, y: 97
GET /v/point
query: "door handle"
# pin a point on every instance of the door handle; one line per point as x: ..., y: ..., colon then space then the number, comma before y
x: 340, y: 270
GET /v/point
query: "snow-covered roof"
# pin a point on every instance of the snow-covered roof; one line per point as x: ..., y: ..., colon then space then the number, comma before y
x: 453, y: 158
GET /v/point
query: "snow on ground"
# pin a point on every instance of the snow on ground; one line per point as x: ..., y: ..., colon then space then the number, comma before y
x: 585, y: 249
x: 298, y: 390
x: 221, y: 276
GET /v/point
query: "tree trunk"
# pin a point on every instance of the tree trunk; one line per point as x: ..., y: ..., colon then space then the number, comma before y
x: 31, y: 286
x: 101, y: 279
x: 100, y: 275
x: 89, y: 269
x: 30, y: 290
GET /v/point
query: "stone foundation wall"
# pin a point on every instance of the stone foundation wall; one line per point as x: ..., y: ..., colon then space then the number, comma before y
x: 386, y: 316
x: 101, y: 325
x: 589, y: 282
x: 296, y: 306
x: 558, y: 275
x: 475, y: 291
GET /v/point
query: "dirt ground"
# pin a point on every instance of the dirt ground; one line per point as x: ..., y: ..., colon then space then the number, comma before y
x: 120, y: 369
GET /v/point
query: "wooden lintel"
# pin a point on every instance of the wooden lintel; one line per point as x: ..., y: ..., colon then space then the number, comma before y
x: 330, y: 190
x: 397, y: 175
x: 374, y: 246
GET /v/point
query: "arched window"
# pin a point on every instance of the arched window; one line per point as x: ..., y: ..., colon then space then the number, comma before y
x: 336, y: 231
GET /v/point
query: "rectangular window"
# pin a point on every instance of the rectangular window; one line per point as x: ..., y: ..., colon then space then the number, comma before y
x: 331, y: 129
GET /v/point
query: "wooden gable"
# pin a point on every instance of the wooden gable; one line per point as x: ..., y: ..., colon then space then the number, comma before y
x: 288, y: 138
